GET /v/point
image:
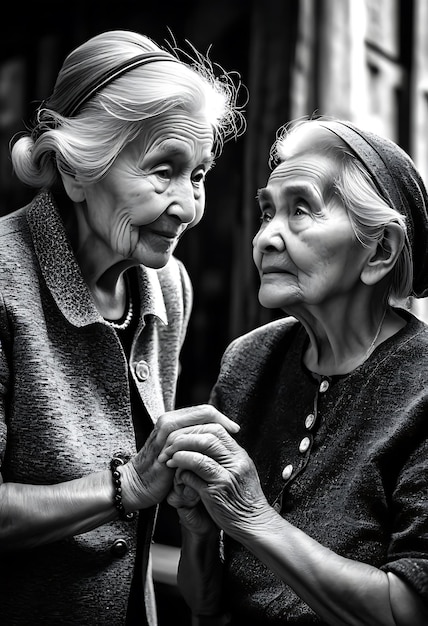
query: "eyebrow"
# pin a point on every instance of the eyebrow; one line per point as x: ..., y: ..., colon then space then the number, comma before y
x: 262, y: 194
x: 288, y: 187
x: 171, y: 148
x: 209, y: 161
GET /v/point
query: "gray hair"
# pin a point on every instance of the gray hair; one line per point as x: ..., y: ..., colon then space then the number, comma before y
x: 86, y: 143
x: 367, y: 210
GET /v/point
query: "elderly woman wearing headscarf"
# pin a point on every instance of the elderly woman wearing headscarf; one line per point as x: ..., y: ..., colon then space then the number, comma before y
x: 322, y: 497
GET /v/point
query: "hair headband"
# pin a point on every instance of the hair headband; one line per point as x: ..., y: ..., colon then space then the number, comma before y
x: 399, y: 183
x: 118, y: 70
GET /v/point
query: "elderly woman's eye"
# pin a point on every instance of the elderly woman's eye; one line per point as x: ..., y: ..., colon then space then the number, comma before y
x: 301, y: 208
x: 163, y: 173
x: 265, y: 216
x: 198, y: 177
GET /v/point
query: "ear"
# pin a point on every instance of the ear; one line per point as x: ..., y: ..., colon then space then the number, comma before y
x: 73, y: 188
x: 383, y: 258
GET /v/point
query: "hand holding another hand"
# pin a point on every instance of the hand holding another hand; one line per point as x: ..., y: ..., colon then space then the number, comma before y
x: 192, y: 513
x: 212, y: 464
x: 146, y: 479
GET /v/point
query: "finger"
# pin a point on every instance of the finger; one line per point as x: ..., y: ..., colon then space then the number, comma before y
x: 184, y: 497
x: 215, y: 429
x: 206, y: 443
x: 202, y: 467
x: 187, y: 438
x: 195, y: 519
x: 189, y: 493
x: 177, y: 476
x: 189, y: 416
x: 182, y: 490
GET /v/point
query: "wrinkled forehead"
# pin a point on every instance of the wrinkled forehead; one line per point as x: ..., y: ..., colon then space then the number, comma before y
x: 179, y: 120
x: 306, y: 169
x: 176, y: 128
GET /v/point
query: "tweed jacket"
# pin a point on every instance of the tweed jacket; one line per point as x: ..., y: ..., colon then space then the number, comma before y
x: 65, y: 411
x: 355, y: 453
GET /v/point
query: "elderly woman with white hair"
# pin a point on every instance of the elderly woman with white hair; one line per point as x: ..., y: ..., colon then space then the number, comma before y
x: 322, y: 496
x: 93, y: 313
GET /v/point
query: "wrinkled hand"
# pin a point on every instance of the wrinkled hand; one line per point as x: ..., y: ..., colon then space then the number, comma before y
x: 213, y: 465
x: 199, y: 575
x: 146, y: 480
x: 192, y: 513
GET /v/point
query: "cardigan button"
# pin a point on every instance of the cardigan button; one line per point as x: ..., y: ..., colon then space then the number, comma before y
x: 310, y: 421
x: 287, y: 471
x: 304, y: 444
x: 119, y: 547
x: 324, y: 386
x: 142, y: 370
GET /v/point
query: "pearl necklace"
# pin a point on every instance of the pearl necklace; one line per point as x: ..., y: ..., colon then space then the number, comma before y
x: 123, y: 325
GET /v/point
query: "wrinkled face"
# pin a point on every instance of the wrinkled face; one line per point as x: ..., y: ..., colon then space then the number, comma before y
x: 154, y: 191
x: 305, y: 251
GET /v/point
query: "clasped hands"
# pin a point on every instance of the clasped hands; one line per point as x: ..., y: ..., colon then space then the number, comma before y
x: 190, y: 457
x: 215, y: 480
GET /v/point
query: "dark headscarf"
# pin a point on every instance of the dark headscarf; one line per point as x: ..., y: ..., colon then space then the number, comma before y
x: 400, y: 185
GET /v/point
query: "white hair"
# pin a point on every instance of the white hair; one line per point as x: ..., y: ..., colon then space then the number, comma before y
x: 367, y: 210
x: 86, y: 143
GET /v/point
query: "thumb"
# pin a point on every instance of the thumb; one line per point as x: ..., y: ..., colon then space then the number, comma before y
x: 190, y: 482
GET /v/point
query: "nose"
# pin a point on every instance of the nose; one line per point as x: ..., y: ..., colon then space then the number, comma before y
x: 184, y: 202
x: 269, y: 237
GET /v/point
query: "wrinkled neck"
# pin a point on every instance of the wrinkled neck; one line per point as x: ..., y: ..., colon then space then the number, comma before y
x: 344, y: 335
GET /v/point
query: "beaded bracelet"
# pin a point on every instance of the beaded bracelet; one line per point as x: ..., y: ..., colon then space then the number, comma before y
x: 117, y: 499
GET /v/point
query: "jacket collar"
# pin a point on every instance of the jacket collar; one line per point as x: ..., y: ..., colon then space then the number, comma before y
x: 62, y: 273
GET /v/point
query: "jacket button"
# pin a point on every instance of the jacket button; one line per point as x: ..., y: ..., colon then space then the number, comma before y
x: 304, y: 444
x: 119, y: 547
x: 324, y: 386
x: 287, y: 471
x: 309, y: 421
x: 142, y: 370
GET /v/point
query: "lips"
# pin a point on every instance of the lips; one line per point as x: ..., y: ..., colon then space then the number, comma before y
x: 166, y: 234
x: 273, y: 270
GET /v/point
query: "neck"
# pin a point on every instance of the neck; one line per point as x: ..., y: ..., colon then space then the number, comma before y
x: 102, y: 272
x: 343, y: 337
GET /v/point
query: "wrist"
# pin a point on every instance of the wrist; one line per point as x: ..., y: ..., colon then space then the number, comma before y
x: 253, y: 530
x: 200, y: 577
x: 126, y: 499
x: 194, y: 538
x: 116, y: 464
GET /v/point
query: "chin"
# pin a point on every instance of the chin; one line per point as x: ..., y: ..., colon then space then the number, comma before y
x: 152, y: 256
x: 270, y: 303
x: 271, y: 299
x: 157, y: 266
x: 155, y: 261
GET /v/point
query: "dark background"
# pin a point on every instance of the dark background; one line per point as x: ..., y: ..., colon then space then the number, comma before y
x: 34, y: 41
x: 39, y: 37
x: 293, y: 55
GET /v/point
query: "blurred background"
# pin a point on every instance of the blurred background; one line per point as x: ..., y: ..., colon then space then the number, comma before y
x: 363, y: 60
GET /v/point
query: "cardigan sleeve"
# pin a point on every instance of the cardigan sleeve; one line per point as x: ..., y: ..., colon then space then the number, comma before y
x: 408, y: 549
x: 393, y: 423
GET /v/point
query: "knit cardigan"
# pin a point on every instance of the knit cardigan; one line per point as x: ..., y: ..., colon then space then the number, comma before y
x: 65, y: 411
x: 356, y: 452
